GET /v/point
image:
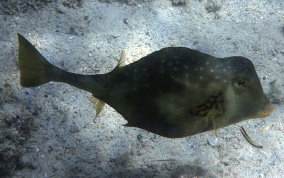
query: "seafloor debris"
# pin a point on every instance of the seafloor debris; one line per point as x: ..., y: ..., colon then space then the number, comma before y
x: 15, y: 123
x: 13, y: 133
x: 212, y: 7
x: 14, y: 6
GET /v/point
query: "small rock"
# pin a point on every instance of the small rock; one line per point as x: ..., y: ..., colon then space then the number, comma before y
x: 125, y: 21
x: 274, y: 52
x: 74, y: 129
x: 213, y: 141
x: 139, y: 137
x: 154, y: 138
x: 72, y: 31
x: 59, y: 11
x: 32, y: 149
x: 225, y: 163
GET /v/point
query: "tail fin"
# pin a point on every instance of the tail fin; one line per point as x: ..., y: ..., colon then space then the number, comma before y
x: 35, y: 70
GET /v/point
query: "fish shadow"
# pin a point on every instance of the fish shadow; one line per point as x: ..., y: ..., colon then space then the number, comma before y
x: 165, y: 170
x: 171, y: 169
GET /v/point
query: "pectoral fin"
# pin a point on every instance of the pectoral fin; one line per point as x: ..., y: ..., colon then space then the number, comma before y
x: 214, y: 131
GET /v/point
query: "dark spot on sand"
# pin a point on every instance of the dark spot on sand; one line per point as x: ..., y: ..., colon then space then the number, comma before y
x: 73, y: 3
x: 76, y: 31
x: 178, y: 2
x: 212, y: 7
x: 125, y: 21
x: 72, y: 31
x: 127, y: 2
x: 139, y: 137
x: 274, y: 93
x: 59, y: 11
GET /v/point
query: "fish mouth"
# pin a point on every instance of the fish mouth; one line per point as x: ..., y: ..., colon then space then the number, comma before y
x: 266, y: 111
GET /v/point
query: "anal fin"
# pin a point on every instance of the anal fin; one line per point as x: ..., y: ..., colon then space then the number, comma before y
x: 98, y: 105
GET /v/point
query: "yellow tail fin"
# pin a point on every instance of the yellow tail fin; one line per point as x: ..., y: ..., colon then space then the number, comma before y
x: 35, y: 70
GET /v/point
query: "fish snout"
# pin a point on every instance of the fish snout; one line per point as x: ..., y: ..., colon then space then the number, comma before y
x: 266, y: 110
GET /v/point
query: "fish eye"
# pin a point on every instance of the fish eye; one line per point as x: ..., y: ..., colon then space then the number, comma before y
x: 241, y: 83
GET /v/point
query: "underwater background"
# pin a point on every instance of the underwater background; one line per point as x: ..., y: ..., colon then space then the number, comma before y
x: 48, y: 131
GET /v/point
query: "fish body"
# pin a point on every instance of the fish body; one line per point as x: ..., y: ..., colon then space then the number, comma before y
x: 174, y: 92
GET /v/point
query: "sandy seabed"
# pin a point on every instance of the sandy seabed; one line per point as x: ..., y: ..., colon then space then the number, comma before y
x: 48, y: 131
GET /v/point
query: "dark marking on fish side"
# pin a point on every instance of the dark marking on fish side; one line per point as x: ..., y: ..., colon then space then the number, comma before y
x: 214, y: 102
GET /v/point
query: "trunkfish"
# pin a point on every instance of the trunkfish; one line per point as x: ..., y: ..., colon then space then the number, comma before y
x: 174, y: 92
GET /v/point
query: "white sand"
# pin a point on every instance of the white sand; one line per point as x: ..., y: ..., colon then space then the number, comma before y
x: 64, y: 142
